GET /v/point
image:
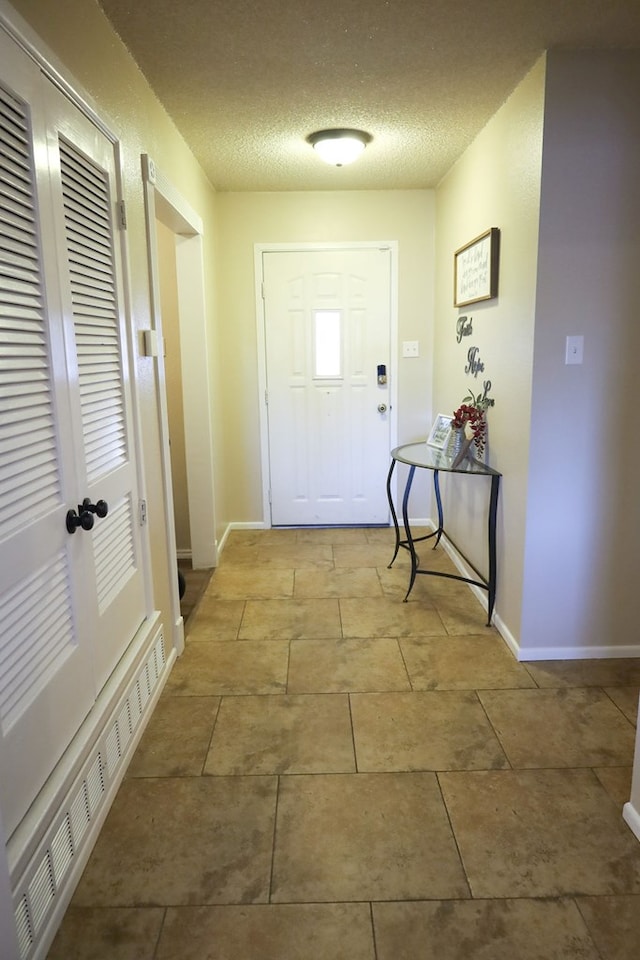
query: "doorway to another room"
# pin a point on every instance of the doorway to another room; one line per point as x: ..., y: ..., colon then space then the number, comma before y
x: 178, y: 341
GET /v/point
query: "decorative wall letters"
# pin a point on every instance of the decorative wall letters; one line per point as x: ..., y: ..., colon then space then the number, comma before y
x: 464, y: 328
x: 474, y: 363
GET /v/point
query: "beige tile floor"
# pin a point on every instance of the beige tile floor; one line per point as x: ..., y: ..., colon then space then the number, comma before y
x: 332, y: 774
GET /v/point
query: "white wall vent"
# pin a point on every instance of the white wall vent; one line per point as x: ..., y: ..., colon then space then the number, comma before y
x: 44, y: 879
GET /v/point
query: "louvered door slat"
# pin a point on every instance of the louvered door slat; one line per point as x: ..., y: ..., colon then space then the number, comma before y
x: 37, y: 467
x: 102, y: 427
x: 86, y: 235
x: 22, y: 339
x: 12, y: 174
x: 95, y: 259
x: 17, y: 284
x: 102, y: 370
x: 85, y: 329
x: 105, y: 408
x: 99, y: 419
x: 13, y: 231
x: 101, y: 390
x: 13, y: 247
x: 103, y: 443
x: 14, y: 269
x: 19, y: 447
x: 12, y: 395
x: 87, y: 265
x: 13, y: 207
x: 14, y: 430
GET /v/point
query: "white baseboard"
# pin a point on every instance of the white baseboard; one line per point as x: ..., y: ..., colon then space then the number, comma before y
x: 521, y: 653
x: 578, y: 653
x: 236, y: 525
x: 183, y: 554
x: 632, y: 818
x: 506, y: 634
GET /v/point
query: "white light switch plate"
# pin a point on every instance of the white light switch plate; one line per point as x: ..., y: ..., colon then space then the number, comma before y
x: 574, y: 350
x: 410, y: 348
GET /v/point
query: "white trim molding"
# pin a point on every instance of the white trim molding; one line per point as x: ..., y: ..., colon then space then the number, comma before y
x: 621, y: 651
x: 631, y: 816
x: 164, y: 203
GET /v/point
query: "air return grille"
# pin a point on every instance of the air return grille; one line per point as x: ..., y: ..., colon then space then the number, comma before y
x: 50, y: 867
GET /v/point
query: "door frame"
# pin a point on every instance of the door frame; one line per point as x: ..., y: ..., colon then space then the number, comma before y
x: 258, y: 250
x: 163, y: 202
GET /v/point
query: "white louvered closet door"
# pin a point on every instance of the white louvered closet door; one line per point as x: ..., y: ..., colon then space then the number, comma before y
x: 46, y: 682
x: 69, y: 603
x: 84, y: 210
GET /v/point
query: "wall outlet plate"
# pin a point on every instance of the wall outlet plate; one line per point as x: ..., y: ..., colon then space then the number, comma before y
x: 410, y: 348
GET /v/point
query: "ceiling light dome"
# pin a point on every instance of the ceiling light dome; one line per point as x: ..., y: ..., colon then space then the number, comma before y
x: 339, y: 147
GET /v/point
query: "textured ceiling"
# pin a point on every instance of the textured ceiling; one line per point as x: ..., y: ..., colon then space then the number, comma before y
x: 246, y: 81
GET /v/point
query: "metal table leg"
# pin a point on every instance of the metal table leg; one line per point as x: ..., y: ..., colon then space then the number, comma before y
x: 393, y: 512
x: 407, y: 528
x: 493, y: 509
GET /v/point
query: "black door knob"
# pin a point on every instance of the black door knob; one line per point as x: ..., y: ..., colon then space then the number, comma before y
x: 84, y: 520
x: 101, y: 508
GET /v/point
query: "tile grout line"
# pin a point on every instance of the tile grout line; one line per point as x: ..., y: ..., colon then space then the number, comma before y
x: 510, y: 765
x: 353, y: 734
x: 575, y: 900
x: 160, y: 932
x: 373, y: 931
x: 406, y: 668
x: 453, y: 834
x: 273, y: 842
x: 213, y: 730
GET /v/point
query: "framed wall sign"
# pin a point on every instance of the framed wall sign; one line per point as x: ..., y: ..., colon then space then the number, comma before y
x: 475, y: 269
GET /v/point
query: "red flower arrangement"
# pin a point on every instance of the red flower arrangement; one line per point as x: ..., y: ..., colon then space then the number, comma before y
x: 472, y: 413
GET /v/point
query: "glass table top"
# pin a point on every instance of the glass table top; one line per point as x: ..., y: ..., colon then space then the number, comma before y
x: 422, y: 455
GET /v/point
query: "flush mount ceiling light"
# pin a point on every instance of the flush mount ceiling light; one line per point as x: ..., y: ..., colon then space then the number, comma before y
x: 339, y: 147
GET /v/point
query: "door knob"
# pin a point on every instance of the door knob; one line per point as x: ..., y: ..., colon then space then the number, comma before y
x: 382, y: 408
x: 101, y: 508
x: 74, y: 520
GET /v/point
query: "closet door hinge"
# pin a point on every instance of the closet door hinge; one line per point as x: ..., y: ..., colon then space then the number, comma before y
x: 142, y: 512
x: 122, y: 214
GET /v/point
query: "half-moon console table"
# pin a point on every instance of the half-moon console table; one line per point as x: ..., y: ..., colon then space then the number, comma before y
x: 421, y: 456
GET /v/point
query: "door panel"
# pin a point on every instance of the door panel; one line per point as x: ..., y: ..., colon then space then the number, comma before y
x: 327, y: 328
x: 96, y: 340
x: 46, y: 685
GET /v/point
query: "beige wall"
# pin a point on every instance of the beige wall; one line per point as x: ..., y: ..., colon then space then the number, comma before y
x: 173, y: 378
x: 495, y: 184
x: 581, y: 593
x: 77, y: 33
x: 247, y: 219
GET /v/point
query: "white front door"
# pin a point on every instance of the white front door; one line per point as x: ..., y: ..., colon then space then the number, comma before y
x: 327, y: 316
x: 70, y: 602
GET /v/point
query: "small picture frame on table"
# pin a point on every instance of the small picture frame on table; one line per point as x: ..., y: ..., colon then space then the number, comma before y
x: 440, y: 431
